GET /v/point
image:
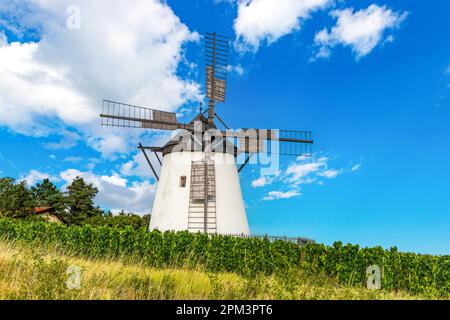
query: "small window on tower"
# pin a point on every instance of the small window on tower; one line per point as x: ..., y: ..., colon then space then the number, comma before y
x: 183, y: 181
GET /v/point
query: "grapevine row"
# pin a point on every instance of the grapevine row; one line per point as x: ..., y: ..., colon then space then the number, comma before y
x: 415, y: 273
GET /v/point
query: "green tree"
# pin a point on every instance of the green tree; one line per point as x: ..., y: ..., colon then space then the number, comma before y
x: 146, y: 220
x: 15, y: 198
x: 120, y: 220
x: 80, y: 202
x: 5, y: 184
x: 98, y: 217
x: 123, y: 219
x: 46, y: 194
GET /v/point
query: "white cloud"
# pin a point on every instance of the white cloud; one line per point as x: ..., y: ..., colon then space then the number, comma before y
x: 35, y: 176
x: 30, y: 89
x: 116, y: 192
x: 22, y: 18
x: 73, y: 159
x: 356, y: 167
x: 265, y: 21
x: 138, y: 165
x: 275, y: 195
x: 68, y: 139
x: 236, y: 69
x: 297, y: 172
x: 362, y: 30
x: 3, y: 39
x: 122, y: 52
x: 260, y: 182
x: 330, y: 173
x: 114, y: 179
x: 390, y: 38
x: 303, y: 171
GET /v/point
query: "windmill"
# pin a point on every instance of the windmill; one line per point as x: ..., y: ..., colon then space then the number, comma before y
x: 198, y: 185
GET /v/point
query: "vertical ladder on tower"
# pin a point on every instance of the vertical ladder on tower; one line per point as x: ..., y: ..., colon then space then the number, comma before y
x: 202, y: 198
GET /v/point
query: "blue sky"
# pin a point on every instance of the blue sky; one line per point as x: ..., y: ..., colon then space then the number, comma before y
x: 370, y: 79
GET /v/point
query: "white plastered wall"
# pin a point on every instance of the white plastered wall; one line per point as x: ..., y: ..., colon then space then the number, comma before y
x: 171, y: 205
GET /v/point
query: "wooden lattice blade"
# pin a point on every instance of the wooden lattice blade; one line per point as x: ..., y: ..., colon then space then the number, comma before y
x: 216, y: 62
x: 283, y: 142
x: 118, y: 114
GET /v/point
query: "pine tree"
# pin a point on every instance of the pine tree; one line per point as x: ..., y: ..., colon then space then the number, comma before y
x: 15, y: 198
x: 6, y: 185
x: 46, y: 194
x: 80, y: 201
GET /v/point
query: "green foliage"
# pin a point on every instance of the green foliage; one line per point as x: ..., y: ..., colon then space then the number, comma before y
x: 15, y: 198
x: 80, y: 201
x: 75, y: 206
x: 120, y: 220
x: 46, y: 194
x: 347, y: 264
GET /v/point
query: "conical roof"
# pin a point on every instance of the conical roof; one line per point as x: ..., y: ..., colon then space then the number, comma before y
x: 188, y: 142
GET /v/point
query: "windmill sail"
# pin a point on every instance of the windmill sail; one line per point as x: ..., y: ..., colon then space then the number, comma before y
x: 282, y: 142
x: 219, y: 84
x: 118, y: 114
x: 290, y: 143
x: 216, y: 60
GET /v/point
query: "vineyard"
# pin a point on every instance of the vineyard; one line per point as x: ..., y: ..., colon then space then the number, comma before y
x: 248, y: 257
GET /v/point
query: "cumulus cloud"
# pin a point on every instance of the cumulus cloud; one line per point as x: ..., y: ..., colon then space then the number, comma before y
x: 275, y: 195
x: 3, y: 39
x: 138, y: 166
x: 123, y: 52
x: 237, y: 69
x: 265, y: 21
x: 265, y: 180
x: 300, y: 171
x: 30, y: 89
x: 303, y: 171
x: 116, y: 192
x: 362, y: 30
x: 67, y: 139
x: 35, y: 176
x: 260, y: 182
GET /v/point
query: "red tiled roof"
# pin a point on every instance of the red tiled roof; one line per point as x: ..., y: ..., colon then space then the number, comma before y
x: 42, y: 209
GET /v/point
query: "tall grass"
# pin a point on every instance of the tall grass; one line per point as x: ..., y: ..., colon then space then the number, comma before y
x: 40, y: 272
x: 250, y: 258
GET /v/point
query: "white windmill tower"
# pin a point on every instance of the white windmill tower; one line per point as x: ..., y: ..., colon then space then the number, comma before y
x: 198, y: 186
